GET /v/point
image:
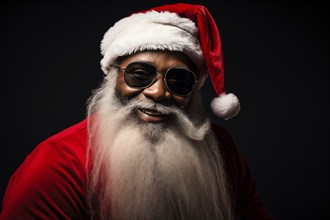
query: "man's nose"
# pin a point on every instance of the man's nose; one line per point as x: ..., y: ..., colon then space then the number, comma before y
x: 157, y: 91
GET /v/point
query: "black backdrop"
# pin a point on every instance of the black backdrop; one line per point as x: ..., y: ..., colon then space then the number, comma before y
x: 276, y: 62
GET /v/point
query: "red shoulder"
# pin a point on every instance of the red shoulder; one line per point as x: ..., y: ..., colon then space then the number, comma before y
x: 50, y: 183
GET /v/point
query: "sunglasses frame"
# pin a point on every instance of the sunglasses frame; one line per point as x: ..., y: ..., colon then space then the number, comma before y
x: 155, y: 77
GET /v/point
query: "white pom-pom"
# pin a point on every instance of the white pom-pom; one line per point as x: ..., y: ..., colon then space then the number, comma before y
x: 225, y: 106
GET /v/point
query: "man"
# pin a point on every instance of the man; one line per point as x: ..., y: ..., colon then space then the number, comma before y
x: 147, y: 150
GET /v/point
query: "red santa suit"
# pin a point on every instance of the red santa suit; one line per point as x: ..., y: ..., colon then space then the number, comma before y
x: 51, y: 182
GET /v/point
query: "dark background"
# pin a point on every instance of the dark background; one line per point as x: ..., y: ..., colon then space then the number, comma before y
x: 276, y: 62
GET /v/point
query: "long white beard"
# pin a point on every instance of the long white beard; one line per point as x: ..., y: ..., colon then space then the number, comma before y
x: 152, y: 171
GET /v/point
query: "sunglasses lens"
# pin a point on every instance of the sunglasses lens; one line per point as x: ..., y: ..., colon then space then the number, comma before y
x: 139, y: 74
x: 180, y: 81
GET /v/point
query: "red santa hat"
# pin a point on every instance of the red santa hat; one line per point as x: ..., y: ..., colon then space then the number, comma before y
x: 175, y: 27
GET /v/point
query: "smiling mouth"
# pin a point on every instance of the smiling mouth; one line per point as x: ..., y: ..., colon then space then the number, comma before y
x: 150, y: 115
x: 150, y: 112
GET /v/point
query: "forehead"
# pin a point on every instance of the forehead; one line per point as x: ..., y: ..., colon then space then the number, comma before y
x: 161, y: 59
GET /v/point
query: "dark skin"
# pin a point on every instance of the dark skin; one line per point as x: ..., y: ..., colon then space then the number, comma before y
x: 157, y: 92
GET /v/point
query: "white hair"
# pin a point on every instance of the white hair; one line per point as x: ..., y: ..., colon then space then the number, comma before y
x: 152, y: 171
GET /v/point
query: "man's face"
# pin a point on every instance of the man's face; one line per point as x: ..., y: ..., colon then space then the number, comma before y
x: 157, y: 91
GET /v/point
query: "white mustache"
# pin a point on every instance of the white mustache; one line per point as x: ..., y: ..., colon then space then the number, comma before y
x: 196, y: 132
x: 165, y: 110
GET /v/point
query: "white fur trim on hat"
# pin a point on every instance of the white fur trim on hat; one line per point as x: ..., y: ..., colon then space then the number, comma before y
x: 225, y: 106
x: 151, y: 31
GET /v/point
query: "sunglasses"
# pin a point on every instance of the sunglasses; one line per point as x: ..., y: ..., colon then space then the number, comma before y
x: 178, y: 80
